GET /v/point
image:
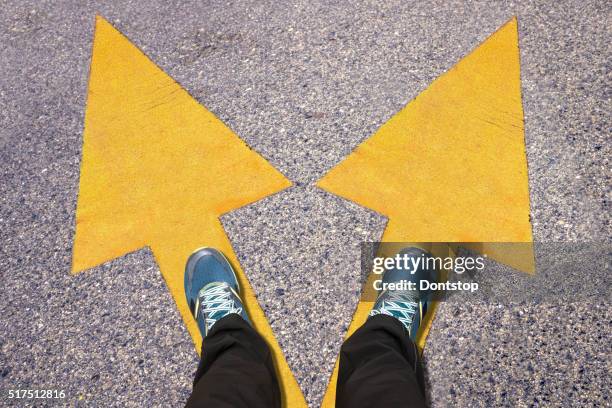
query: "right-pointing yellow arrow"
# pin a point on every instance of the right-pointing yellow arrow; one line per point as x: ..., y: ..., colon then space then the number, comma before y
x: 451, y: 165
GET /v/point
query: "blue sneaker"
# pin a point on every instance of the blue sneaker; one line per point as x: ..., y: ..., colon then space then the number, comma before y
x: 407, y: 306
x: 211, y: 288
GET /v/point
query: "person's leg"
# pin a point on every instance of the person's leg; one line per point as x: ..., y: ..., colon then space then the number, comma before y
x: 379, y: 364
x: 380, y: 367
x: 236, y: 368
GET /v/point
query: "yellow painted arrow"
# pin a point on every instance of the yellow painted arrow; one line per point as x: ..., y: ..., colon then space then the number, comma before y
x: 451, y: 165
x: 158, y: 170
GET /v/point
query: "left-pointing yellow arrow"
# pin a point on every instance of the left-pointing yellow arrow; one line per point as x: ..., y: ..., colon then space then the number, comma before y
x: 158, y: 170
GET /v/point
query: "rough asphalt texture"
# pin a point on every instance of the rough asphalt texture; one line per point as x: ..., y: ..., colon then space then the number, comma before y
x: 303, y: 84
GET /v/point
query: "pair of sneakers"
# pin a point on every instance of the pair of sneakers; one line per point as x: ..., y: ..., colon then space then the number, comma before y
x: 213, y: 291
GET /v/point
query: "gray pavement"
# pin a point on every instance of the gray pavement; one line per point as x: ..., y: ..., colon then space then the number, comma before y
x: 303, y: 84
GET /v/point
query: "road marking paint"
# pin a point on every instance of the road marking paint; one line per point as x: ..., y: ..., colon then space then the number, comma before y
x: 450, y: 166
x: 158, y: 169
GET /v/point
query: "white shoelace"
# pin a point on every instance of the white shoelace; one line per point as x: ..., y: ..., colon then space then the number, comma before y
x: 217, y: 300
x: 397, y: 306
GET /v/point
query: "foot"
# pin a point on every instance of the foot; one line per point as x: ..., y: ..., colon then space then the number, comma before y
x: 407, y: 306
x: 211, y: 288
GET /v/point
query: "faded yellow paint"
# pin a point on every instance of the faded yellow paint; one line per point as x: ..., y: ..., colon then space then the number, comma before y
x: 450, y: 166
x: 158, y: 170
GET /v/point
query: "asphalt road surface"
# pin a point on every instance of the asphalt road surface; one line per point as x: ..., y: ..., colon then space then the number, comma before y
x: 302, y: 84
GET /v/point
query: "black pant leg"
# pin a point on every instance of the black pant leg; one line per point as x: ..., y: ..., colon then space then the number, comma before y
x: 236, y: 369
x: 380, y: 367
